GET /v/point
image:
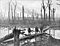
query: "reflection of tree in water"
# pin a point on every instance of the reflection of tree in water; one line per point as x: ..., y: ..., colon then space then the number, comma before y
x: 44, y: 39
x: 39, y: 42
x: 47, y: 40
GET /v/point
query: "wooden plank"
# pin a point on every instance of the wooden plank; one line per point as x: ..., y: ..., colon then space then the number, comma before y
x: 27, y: 37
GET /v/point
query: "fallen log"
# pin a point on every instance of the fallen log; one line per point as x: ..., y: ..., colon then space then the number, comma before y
x: 27, y: 37
x: 9, y: 36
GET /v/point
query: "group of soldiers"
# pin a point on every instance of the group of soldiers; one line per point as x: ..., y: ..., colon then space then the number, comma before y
x: 16, y: 33
x: 29, y: 30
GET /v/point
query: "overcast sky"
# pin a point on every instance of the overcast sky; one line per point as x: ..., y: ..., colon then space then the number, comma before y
x: 30, y: 4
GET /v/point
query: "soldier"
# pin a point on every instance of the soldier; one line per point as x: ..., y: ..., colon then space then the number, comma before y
x: 29, y: 30
x: 36, y: 29
x: 19, y: 30
x: 14, y: 30
x: 41, y: 28
x: 16, y: 36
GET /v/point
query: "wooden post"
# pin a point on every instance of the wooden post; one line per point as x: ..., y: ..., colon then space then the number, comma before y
x: 16, y: 37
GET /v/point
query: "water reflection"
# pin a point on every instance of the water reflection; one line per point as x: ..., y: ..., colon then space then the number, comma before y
x: 5, y: 31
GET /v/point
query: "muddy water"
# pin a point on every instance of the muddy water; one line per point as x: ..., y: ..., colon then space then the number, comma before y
x: 4, y: 31
x: 33, y: 42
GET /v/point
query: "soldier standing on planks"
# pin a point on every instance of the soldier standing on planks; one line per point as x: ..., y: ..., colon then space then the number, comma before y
x: 16, y: 36
x: 29, y: 31
x: 36, y: 29
x: 16, y: 33
x: 41, y: 28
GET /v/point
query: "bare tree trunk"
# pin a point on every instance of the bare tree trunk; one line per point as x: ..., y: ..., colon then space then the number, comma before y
x: 15, y: 11
x: 49, y: 12
x: 33, y: 14
x: 49, y: 9
x: 43, y: 8
x: 41, y: 13
x: 9, y: 12
x: 23, y: 12
x: 12, y: 14
x: 53, y: 14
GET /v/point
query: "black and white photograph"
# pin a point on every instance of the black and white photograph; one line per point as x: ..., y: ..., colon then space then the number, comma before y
x: 29, y: 22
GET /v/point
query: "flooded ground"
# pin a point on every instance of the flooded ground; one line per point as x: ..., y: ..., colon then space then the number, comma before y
x: 5, y: 31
